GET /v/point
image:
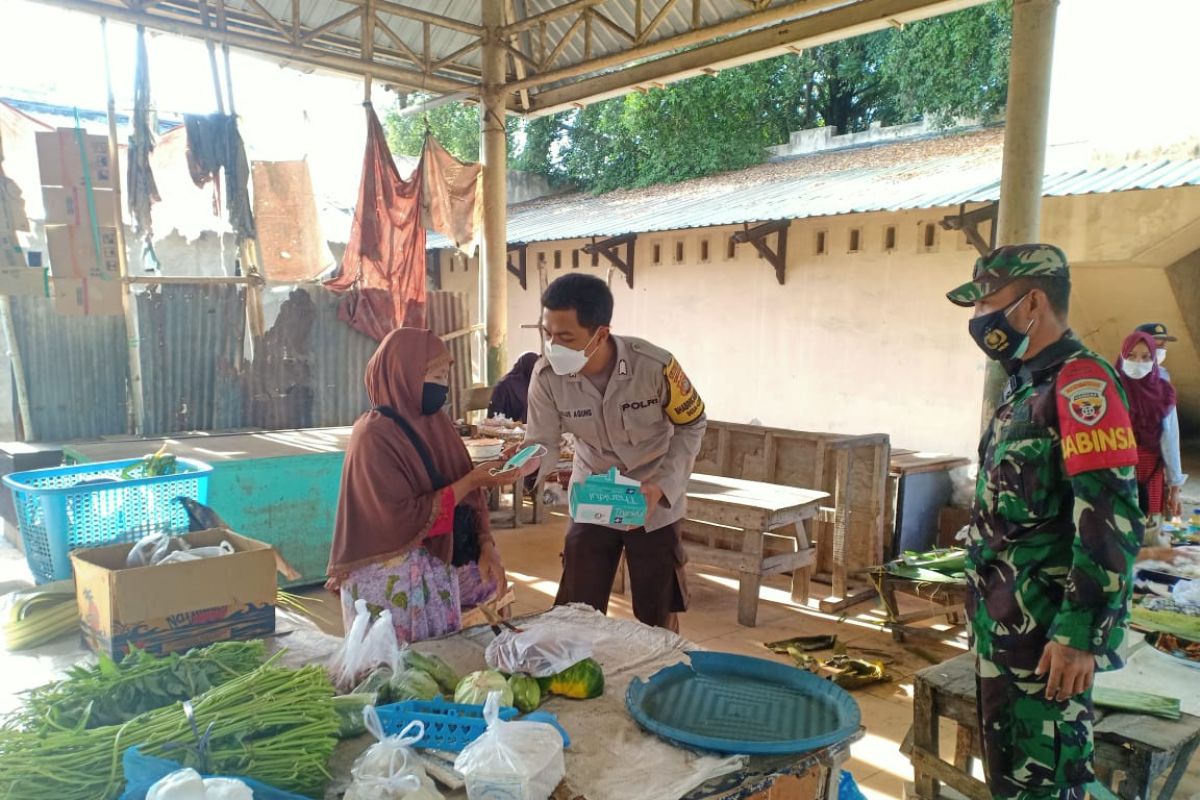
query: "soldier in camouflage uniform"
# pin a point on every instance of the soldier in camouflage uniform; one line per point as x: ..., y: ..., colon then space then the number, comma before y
x: 1055, y: 528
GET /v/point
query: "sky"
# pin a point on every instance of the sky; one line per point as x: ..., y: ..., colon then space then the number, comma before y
x: 1122, y: 81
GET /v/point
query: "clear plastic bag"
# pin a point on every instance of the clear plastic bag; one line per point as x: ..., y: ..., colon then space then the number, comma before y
x: 161, y: 548
x: 152, y: 549
x: 512, y: 760
x: 389, y: 769
x: 143, y: 772
x: 344, y: 666
x: 540, y: 652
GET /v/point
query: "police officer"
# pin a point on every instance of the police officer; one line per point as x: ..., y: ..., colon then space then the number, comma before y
x: 629, y: 406
x: 1162, y: 337
x: 1054, y: 531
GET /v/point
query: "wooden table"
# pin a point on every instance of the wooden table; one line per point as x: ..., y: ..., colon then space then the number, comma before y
x: 741, y: 514
x: 1139, y: 747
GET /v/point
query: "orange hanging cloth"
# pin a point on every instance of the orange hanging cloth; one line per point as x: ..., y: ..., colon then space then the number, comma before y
x: 383, y: 269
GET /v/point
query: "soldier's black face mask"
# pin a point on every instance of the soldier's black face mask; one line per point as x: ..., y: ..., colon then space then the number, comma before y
x: 996, y: 336
x: 433, y: 398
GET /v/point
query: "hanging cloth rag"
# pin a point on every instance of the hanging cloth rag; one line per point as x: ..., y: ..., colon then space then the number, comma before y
x: 383, y: 270
x: 143, y: 191
x: 214, y: 144
x: 448, y: 195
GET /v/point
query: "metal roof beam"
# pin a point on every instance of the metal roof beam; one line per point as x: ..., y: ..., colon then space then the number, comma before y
x: 833, y: 24
x: 309, y: 56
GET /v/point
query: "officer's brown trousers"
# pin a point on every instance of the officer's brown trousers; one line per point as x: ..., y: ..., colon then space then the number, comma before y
x: 655, y: 559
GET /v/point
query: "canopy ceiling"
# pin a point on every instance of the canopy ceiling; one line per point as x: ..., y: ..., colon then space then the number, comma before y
x: 558, y: 53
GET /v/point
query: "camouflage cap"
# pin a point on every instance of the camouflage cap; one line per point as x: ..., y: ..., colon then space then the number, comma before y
x: 1006, y: 264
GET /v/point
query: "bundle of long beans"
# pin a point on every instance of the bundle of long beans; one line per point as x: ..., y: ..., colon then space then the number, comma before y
x: 273, y: 724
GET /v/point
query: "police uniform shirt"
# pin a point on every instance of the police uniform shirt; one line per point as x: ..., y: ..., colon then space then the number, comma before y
x: 648, y: 422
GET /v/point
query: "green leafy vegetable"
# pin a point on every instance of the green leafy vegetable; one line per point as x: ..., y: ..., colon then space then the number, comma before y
x: 435, y: 667
x: 475, y: 688
x: 275, y: 725
x: 110, y: 693
x: 412, y: 684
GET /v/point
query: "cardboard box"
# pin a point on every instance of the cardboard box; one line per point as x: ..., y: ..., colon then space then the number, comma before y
x: 73, y: 252
x: 68, y: 205
x: 24, y: 282
x: 608, y: 499
x: 174, y: 607
x: 61, y: 165
x: 88, y: 297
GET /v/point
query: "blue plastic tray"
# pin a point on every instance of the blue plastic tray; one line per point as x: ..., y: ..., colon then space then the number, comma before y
x: 736, y: 704
x: 451, y: 726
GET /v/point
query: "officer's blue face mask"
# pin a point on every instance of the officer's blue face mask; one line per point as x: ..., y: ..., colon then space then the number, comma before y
x: 996, y: 336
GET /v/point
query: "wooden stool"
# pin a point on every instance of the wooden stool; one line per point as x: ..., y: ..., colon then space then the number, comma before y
x: 1139, y: 747
x: 945, y: 599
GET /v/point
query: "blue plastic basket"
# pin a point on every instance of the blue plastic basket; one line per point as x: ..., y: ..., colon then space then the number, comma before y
x: 448, y: 726
x: 66, y: 508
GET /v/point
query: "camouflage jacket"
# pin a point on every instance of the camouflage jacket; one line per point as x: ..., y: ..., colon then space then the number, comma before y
x: 1056, y: 523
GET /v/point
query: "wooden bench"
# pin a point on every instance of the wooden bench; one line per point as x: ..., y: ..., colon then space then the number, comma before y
x: 848, y: 534
x: 945, y: 600
x: 1138, y: 747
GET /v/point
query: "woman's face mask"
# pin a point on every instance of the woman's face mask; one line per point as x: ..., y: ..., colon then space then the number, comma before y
x: 1136, y: 369
x: 433, y: 397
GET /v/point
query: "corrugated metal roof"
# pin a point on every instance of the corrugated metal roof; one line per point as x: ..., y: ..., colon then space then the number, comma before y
x: 891, y: 177
x: 443, y: 41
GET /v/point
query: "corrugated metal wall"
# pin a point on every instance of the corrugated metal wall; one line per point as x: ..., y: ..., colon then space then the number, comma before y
x: 77, y: 370
x: 307, y: 370
x: 340, y: 356
x: 192, y: 342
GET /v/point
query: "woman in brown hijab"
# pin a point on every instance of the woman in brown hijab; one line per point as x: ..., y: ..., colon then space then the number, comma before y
x: 394, y: 534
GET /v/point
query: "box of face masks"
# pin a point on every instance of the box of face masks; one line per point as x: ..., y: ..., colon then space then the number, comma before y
x: 608, y: 499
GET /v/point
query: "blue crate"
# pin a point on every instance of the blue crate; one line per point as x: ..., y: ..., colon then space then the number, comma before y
x: 452, y: 726
x: 448, y: 726
x: 67, y: 508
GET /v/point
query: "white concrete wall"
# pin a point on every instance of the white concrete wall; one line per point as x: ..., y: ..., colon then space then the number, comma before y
x: 862, y: 342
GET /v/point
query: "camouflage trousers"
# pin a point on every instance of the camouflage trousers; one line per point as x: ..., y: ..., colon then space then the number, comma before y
x: 1033, y: 748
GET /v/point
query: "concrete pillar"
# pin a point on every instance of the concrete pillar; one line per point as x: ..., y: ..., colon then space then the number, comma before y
x: 494, y: 154
x: 1026, y: 117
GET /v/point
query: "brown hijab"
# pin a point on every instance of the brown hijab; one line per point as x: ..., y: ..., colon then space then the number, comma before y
x: 387, y: 501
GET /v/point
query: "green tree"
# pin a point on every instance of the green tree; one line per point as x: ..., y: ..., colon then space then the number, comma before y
x: 945, y: 67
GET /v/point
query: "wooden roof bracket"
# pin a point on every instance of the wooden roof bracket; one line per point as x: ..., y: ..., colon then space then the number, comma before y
x: 520, y: 270
x: 757, y: 236
x: 609, y: 249
x: 968, y: 222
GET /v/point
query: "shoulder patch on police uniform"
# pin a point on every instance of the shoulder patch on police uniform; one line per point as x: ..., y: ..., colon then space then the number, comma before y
x: 1093, y: 419
x: 684, y: 405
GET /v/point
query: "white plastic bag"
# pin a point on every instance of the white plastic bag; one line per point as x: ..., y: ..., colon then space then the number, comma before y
x: 197, y: 553
x: 1186, y: 593
x: 539, y: 652
x: 512, y: 760
x: 152, y: 549
x: 344, y: 665
x: 381, y: 648
x: 186, y: 784
x: 389, y: 770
